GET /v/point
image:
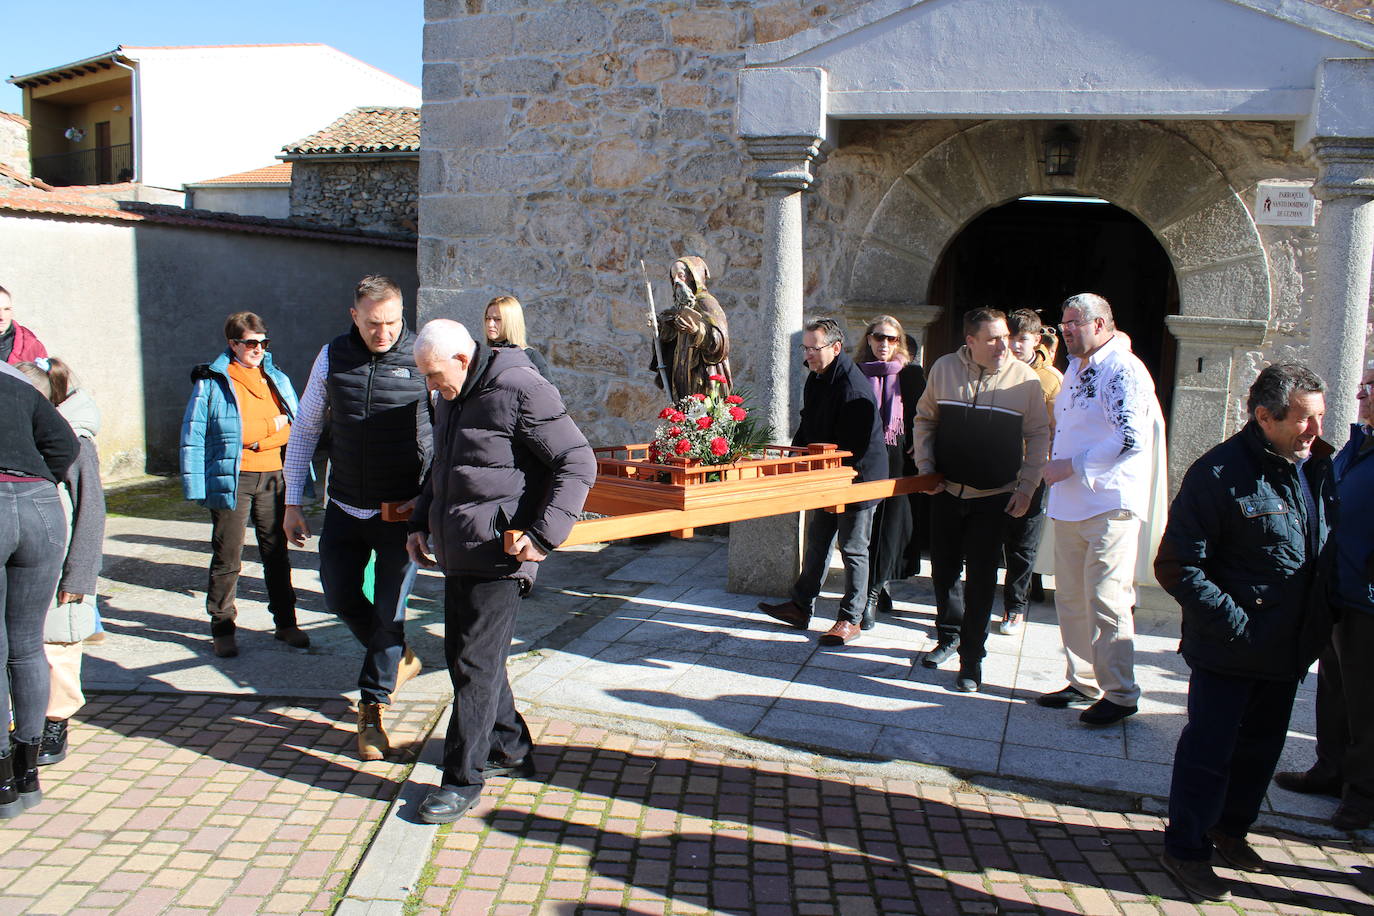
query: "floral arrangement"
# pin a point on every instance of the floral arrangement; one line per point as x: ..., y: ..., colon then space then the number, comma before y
x: 711, y: 428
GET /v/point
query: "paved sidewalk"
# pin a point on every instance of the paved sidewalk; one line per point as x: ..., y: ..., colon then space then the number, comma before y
x: 626, y: 824
x: 693, y: 757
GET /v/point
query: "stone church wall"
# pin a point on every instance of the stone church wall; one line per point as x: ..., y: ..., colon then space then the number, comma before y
x: 563, y: 142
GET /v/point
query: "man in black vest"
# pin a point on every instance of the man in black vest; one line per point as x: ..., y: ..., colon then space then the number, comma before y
x: 366, y: 393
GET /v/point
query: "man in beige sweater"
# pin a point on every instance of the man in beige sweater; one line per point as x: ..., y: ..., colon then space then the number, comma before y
x: 981, y: 423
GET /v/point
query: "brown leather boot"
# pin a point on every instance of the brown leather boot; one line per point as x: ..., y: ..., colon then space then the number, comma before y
x: 372, y: 740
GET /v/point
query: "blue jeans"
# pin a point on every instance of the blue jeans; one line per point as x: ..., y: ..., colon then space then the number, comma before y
x: 1225, y: 758
x: 33, y: 541
x: 853, y: 528
x: 378, y: 625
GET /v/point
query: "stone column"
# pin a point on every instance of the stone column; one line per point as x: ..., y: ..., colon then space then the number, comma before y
x: 1345, y: 247
x: 765, y: 554
x: 1203, y: 371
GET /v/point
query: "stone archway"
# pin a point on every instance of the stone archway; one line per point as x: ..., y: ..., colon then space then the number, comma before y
x: 1207, y: 232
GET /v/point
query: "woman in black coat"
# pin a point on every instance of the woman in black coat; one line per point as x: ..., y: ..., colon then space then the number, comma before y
x: 504, y: 322
x: 37, y: 446
x: 894, y: 550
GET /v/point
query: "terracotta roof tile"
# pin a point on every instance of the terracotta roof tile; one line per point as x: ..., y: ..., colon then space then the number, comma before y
x: 365, y: 130
x: 17, y: 119
x: 46, y: 203
x: 277, y: 173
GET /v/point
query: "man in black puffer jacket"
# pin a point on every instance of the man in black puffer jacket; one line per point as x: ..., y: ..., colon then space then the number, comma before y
x: 506, y: 456
x: 1243, y: 556
x: 837, y: 407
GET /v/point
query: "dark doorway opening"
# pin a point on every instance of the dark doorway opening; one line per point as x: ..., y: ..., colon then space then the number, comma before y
x: 1037, y: 253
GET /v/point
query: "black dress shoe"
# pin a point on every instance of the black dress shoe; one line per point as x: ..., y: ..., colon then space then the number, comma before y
x: 52, y: 747
x: 1236, y: 852
x: 1197, y: 878
x: 522, y: 768
x: 1105, y: 712
x: 970, y: 678
x: 446, y: 804
x: 1062, y: 699
x: 942, y: 653
x: 1352, y: 815
x: 884, y: 604
x: 1307, y: 783
x: 789, y: 612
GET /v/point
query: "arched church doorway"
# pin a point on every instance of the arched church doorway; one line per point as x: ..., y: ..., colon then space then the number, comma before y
x: 1038, y: 251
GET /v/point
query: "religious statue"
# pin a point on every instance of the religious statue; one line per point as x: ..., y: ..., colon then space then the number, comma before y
x: 693, y: 337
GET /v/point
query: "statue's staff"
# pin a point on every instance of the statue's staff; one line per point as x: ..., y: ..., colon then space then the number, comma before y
x: 653, y: 323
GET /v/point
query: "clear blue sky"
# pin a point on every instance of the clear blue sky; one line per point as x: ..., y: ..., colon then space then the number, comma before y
x: 384, y: 33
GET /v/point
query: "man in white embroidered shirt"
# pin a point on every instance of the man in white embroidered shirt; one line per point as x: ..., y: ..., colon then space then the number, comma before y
x: 1099, y: 478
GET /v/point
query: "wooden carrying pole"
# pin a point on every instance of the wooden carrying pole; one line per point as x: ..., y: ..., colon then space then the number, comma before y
x: 681, y: 522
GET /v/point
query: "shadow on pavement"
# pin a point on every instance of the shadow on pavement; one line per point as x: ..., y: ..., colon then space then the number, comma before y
x: 774, y: 836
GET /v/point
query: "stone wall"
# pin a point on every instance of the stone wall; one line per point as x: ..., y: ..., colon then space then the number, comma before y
x: 374, y: 194
x: 14, y: 147
x: 564, y: 142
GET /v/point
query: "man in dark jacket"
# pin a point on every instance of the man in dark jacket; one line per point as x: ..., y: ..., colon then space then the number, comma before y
x: 1345, y: 678
x: 506, y: 457
x: 366, y: 393
x: 1241, y: 556
x: 837, y: 407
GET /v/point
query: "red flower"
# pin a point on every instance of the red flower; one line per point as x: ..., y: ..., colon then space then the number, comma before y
x: 703, y: 422
x: 733, y: 399
x: 675, y: 431
x: 699, y: 396
x: 719, y: 446
x: 720, y: 378
x: 738, y: 413
x: 678, y: 416
x: 665, y: 413
x: 682, y: 447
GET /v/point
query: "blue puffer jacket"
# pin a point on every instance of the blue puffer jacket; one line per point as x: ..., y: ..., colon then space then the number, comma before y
x: 1355, y: 537
x: 211, y: 435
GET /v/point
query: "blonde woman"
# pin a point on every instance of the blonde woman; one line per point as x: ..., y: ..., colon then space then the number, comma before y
x: 504, y: 322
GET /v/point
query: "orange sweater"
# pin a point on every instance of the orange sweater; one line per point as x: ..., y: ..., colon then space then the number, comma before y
x: 258, y: 411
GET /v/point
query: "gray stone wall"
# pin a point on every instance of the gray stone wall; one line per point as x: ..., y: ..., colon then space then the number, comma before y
x: 562, y: 142
x: 14, y: 148
x: 164, y: 292
x: 374, y: 194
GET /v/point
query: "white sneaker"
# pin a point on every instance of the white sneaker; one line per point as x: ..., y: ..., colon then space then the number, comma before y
x: 1011, y: 624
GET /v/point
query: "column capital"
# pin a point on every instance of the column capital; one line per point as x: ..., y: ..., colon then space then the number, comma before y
x: 1345, y: 167
x: 1218, y: 332
x: 785, y: 162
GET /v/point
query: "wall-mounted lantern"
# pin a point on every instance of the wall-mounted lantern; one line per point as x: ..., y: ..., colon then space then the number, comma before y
x: 1061, y: 151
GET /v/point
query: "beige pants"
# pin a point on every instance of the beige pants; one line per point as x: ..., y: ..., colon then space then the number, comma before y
x: 1094, y: 592
x: 64, y: 666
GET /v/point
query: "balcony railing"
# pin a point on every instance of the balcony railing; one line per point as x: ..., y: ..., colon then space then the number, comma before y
x: 101, y: 165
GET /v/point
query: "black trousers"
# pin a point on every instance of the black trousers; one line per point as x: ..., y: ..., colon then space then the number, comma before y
x: 966, y: 533
x: 261, y: 498
x: 1345, y: 708
x: 1225, y: 758
x: 479, y: 621
x: 1021, y: 547
x: 378, y: 625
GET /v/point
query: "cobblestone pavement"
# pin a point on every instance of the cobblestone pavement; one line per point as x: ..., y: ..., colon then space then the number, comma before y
x: 618, y: 824
x: 171, y: 804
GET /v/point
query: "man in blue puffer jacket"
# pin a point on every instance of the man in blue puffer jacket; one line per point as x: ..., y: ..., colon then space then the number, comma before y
x: 232, y: 439
x: 1243, y: 556
x: 1345, y: 678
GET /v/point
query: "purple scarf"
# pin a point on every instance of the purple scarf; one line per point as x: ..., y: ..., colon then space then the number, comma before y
x: 883, y: 377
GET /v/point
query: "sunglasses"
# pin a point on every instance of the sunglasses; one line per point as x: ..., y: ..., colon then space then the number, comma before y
x: 883, y: 338
x: 253, y: 344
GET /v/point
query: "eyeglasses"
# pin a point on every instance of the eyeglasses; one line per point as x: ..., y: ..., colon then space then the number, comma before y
x: 253, y: 344
x: 806, y: 349
x: 1064, y: 327
x: 884, y: 338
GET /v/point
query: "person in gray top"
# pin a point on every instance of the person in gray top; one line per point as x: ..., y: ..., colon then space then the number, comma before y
x: 507, y: 457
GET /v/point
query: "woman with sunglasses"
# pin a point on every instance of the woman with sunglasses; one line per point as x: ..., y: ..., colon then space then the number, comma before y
x: 233, y: 437
x: 897, y: 384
